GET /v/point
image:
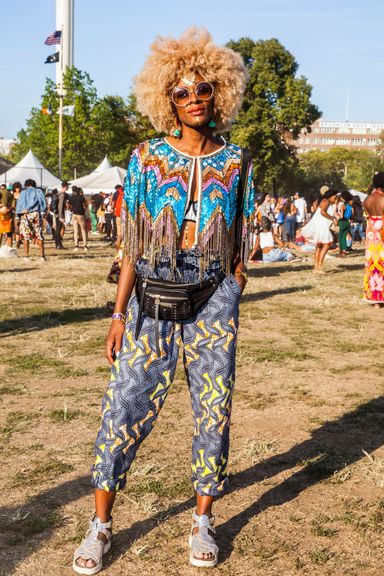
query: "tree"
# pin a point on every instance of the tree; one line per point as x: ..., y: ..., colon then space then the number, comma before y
x: 338, y: 168
x: 276, y: 108
x: 98, y: 127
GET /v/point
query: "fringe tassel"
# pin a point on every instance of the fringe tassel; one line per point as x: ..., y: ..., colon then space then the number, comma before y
x: 156, y: 240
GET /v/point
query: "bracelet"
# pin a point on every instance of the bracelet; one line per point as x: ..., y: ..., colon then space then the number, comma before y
x: 242, y: 273
x: 118, y: 316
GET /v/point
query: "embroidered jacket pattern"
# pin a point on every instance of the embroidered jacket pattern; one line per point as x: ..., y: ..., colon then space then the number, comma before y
x: 157, y: 191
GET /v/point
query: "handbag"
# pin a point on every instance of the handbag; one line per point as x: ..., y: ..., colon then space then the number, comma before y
x: 334, y: 228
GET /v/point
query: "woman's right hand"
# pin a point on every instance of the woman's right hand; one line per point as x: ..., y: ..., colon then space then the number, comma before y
x: 114, y: 340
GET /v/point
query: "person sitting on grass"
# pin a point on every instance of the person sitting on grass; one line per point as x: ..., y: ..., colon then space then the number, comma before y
x: 267, y: 242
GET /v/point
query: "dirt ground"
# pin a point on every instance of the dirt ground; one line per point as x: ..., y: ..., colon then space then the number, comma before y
x: 307, y: 456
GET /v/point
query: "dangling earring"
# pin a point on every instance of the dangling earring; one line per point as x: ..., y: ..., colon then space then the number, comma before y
x: 212, y: 124
x: 177, y: 130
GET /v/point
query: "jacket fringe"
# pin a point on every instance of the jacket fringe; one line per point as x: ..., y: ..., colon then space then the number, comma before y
x: 158, y: 239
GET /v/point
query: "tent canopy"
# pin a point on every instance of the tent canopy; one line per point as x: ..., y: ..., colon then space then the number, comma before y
x: 104, y: 165
x: 83, y: 181
x: 31, y: 167
x: 103, y: 181
x: 361, y: 195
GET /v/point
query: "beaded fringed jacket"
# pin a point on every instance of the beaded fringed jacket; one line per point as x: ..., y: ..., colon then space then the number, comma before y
x: 157, y: 191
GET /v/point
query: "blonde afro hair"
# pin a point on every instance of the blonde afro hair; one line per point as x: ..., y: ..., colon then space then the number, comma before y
x: 194, y: 52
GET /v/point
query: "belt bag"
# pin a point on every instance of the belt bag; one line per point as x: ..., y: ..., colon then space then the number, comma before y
x: 166, y: 300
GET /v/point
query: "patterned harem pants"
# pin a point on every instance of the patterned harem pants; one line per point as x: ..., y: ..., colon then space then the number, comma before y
x: 140, y: 382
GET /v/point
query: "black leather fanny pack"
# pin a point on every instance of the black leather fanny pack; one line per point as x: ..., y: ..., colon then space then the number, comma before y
x: 166, y: 300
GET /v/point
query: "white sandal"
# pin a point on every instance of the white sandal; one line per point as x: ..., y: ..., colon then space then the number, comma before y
x: 92, y: 548
x: 202, y: 541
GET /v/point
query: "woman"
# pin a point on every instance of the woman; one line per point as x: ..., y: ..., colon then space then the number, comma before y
x: 318, y: 228
x: 279, y: 215
x: 6, y: 216
x: 344, y: 215
x: 374, y: 244
x: 271, y: 246
x: 183, y: 222
x: 289, y: 227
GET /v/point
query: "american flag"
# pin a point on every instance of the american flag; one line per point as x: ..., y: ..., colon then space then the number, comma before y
x: 54, y: 38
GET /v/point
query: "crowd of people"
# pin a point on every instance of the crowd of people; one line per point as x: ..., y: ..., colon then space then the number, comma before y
x: 27, y: 215
x: 288, y: 227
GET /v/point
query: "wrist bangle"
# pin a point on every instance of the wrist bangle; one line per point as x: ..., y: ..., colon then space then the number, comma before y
x: 118, y: 316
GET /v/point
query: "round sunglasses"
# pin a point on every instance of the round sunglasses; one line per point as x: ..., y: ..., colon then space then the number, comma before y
x: 181, y: 95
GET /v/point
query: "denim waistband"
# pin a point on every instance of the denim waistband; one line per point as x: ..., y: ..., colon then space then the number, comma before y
x: 187, y: 270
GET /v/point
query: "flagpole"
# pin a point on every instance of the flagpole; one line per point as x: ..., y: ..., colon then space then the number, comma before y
x: 61, y: 100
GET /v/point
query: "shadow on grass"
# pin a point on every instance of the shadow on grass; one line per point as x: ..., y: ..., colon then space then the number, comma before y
x: 331, y: 447
x: 256, y: 296
x: 273, y: 270
x: 11, y: 270
x: 349, y: 268
x: 52, y: 319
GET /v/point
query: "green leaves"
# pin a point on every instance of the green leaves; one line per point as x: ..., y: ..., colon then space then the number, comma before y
x: 276, y: 107
x: 100, y: 126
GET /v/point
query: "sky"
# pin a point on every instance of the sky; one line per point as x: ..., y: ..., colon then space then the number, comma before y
x: 338, y: 45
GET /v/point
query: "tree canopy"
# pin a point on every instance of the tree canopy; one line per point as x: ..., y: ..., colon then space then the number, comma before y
x: 276, y: 108
x: 100, y: 126
x: 338, y: 168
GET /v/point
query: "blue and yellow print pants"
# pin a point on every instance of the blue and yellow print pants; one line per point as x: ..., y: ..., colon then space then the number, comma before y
x: 140, y: 382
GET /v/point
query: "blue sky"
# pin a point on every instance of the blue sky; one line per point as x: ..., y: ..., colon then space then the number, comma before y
x: 338, y: 45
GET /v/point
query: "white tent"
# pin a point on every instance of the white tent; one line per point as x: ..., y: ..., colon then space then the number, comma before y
x: 361, y: 195
x: 101, y: 182
x: 83, y: 181
x: 104, y: 165
x: 31, y: 167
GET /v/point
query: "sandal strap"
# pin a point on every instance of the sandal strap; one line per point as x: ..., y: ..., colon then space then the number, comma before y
x: 92, y: 548
x: 203, y: 521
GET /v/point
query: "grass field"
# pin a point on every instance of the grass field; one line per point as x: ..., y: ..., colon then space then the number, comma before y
x: 307, y: 455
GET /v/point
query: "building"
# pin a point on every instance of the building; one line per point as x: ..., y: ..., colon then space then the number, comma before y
x: 356, y: 135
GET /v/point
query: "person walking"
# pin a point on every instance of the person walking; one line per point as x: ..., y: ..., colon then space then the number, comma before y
x: 117, y: 202
x: 16, y: 191
x: 60, y: 208
x: 6, y: 216
x: 344, y: 215
x: 301, y: 210
x: 78, y: 206
x: 357, y: 224
x: 318, y: 228
x: 31, y: 207
x: 374, y: 244
x: 187, y: 220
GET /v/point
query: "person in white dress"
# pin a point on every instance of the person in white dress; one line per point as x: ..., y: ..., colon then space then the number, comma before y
x: 318, y: 228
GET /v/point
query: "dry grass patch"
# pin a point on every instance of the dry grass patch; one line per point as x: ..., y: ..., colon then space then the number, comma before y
x: 308, y: 402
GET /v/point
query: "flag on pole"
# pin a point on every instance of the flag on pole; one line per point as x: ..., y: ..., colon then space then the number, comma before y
x: 67, y: 110
x: 54, y: 38
x: 53, y: 58
x: 47, y: 110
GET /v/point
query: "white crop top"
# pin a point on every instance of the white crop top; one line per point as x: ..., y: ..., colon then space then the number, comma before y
x: 266, y: 240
